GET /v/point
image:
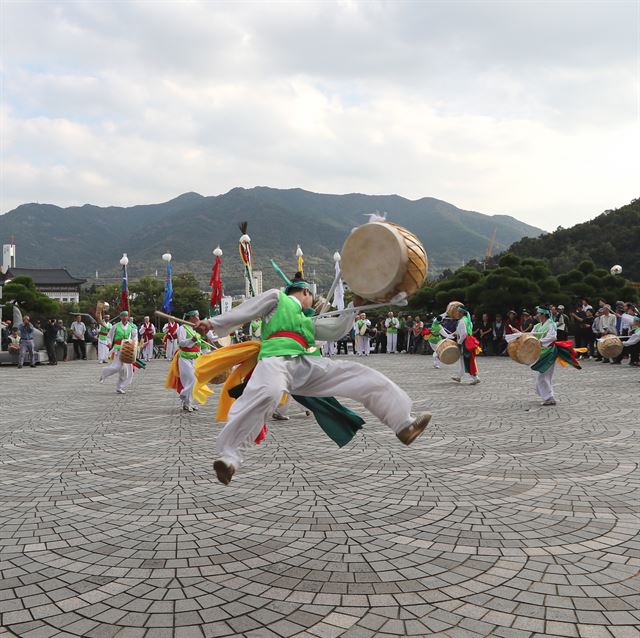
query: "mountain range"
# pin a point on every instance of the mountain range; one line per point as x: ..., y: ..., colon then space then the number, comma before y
x: 86, y: 239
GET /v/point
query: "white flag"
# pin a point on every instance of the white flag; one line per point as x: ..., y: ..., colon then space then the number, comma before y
x: 338, y: 295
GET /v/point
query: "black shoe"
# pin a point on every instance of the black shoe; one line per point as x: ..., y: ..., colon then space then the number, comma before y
x: 19, y: 367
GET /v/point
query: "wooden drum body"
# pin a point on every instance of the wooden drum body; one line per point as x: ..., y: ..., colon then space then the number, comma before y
x: 448, y: 351
x: 525, y: 349
x: 127, y: 352
x: 610, y: 346
x: 381, y: 259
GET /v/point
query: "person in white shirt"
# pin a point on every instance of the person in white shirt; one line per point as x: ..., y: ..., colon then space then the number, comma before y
x: 362, y: 326
x: 78, y: 331
x: 392, y: 324
x: 607, y: 325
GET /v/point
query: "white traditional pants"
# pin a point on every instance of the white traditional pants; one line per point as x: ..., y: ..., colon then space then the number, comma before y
x: 329, y: 348
x: 392, y: 342
x: 124, y: 371
x: 544, y: 383
x: 103, y: 351
x: 436, y: 360
x: 311, y: 377
x: 147, y: 350
x: 170, y: 348
x: 362, y: 345
x: 462, y: 372
x: 187, y: 378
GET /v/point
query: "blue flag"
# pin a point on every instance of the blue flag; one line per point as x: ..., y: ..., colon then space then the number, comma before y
x: 167, y: 303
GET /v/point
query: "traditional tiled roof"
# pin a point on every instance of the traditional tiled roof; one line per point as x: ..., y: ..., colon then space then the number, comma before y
x: 46, y: 276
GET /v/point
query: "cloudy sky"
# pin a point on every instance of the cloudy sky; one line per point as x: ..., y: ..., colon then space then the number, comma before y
x: 525, y: 108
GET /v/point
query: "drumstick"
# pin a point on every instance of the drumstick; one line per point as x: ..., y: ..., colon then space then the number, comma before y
x: 371, y: 306
x: 334, y: 313
x: 164, y: 315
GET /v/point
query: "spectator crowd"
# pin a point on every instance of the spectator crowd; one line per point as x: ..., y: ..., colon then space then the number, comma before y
x: 391, y: 334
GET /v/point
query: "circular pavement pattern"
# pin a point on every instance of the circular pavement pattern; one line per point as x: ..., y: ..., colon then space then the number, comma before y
x: 504, y: 519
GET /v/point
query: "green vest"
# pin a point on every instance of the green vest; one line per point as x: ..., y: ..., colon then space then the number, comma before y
x: 288, y: 317
x: 540, y: 331
x: 191, y: 333
x: 104, y: 331
x: 393, y: 326
x: 435, y: 337
x: 121, y: 333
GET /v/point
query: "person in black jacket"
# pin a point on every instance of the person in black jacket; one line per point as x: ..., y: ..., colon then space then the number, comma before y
x: 50, y: 332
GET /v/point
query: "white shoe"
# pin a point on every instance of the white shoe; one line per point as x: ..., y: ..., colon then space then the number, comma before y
x: 437, y: 367
x: 120, y: 391
x: 279, y: 417
x: 475, y: 382
x: 456, y: 379
x: 187, y: 408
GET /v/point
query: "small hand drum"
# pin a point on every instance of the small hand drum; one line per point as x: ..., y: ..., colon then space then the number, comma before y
x: 381, y: 259
x: 525, y: 349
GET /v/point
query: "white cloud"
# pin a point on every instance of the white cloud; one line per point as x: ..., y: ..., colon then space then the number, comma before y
x: 495, y: 107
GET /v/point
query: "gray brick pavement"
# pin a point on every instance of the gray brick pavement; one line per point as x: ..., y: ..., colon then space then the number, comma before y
x: 505, y: 519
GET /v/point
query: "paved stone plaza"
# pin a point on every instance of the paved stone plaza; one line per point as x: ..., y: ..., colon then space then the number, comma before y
x: 504, y: 519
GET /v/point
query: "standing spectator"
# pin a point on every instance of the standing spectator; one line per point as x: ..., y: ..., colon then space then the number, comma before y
x: 588, y: 338
x: 362, y: 326
x: 392, y: 325
x: 91, y: 336
x: 408, y: 326
x: 26, y: 332
x: 50, y: 341
x: 561, y: 323
x: 403, y: 337
x: 416, y: 339
x: 343, y: 343
x: 581, y: 327
x: 485, y: 331
x: 78, y: 330
x: 512, y: 323
x: 608, y: 325
x: 498, y: 330
x: 526, y: 321
x: 381, y: 337
x: 627, y: 317
x: 585, y: 305
x: 61, y: 341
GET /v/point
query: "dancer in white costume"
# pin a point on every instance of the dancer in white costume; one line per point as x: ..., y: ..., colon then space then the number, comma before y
x: 189, y: 349
x: 290, y: 362
x: 392, y: 324
x: 147, y: 331
x: 462, y: 334
x: 170, y: 339
x: 103, y: 335
x: 123, y: 330
x: 362, y: 326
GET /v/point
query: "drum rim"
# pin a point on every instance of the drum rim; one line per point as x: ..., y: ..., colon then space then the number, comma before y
x: 399, y: 276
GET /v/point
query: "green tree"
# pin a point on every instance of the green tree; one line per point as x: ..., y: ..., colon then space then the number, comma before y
x: 22, y: 292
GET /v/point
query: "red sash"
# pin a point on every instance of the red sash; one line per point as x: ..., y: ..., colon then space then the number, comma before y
x: 190, y: 348
x: 290, y: 335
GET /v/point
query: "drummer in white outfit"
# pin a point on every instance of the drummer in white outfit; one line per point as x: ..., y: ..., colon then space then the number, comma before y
x: 120, y: 331
x: 545, y: 330
x: 287, y: 366
x: 362, y: 326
